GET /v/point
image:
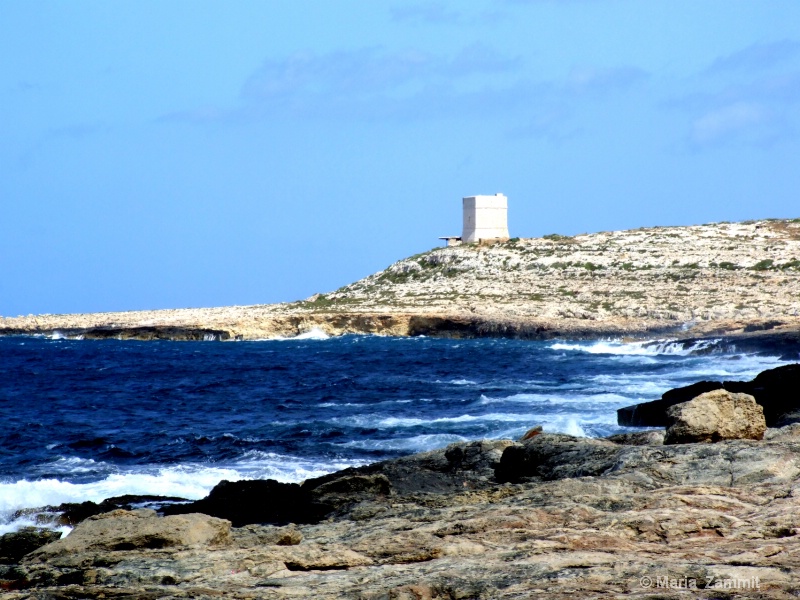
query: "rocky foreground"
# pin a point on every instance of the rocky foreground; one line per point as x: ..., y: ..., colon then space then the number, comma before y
x: 723, y: 278
x: 643, y: 515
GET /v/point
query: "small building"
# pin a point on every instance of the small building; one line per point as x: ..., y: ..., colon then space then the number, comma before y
x: 451, y: 240
x: 485, y: 219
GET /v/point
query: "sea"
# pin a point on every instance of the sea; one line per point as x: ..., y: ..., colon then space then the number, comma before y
x: 92, y: 419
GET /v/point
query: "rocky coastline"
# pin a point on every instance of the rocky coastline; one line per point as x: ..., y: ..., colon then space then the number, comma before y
x: 710, y: 507
x: 705, y: 506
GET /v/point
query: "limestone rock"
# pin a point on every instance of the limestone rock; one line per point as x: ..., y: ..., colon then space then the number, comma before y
x: 786, y: 433
x: 555, y: 456
x: 587, y: 519
x: 714, y: 416
x: 638, y: 438
x: 13, y: 546
x: 139, y: 529
x: 313, y: 557
x: 654, y: 413
x: 776, y: 390
x: 253, y: 536
x: 260, y: 501
x: 347, y: 490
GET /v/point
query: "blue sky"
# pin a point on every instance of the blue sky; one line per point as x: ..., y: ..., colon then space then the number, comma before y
x: 182, y: 154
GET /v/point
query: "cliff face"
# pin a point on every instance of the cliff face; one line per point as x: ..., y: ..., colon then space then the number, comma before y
x: 716, y: 278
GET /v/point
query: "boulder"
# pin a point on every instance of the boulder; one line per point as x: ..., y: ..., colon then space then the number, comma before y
x: 776, y: 390
x: 348, y: 490
x: 15, y: 545
x: 259, y: 501
x: 469, y: 465
x: 72, y: 513
x: 556, y: 456
x: 714, y: 416
x: 136, y: 530
x: 654, y: 413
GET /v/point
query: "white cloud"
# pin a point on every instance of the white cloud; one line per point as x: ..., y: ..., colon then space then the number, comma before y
x: 750, y: 96
x: 727, y: 121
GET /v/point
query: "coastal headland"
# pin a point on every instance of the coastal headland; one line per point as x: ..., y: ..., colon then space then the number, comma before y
x: 737, y: 279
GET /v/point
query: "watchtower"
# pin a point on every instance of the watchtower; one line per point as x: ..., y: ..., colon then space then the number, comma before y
x: 485, y: 218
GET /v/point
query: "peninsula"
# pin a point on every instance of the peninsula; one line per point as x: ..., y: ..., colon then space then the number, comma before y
x: 692, y: 281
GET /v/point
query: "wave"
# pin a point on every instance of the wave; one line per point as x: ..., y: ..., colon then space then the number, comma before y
x: 417, y: 443
x: 312, y: 334
x: 649, y: 348
x: 597, y: 425
x: 414, y: 422
x: 459, y: 382
x: 315, y: 333
x: 602, y: 398
x: 191, y: 481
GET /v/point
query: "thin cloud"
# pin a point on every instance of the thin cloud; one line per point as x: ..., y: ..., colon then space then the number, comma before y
x: 750, y: 96
x: 376, y: 84
x: 436, y: 13
x: 762, y: 112
x: 600, y: 79
x: 480, y: 58
x: 365, y: 70
x: 77, y: 131
x: 727, y: 121
x: 757, y: 57
x: 554, y: 124
x: 371, y: 82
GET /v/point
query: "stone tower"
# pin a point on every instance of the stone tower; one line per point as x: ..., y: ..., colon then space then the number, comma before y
x: 485, y: 218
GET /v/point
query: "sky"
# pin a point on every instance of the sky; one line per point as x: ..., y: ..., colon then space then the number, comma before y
x: 198, y: 153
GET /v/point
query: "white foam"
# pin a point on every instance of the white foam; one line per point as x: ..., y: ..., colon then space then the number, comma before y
x: 616, y: 347
x: 570, y: 424
x: 602, y: 398
x: 187, y: 481
x: 313, y: 334
x: 637, y: 386
x: 417, y: 443
x: 747, y: 367
x: 490, y: 417
x: 572, y: 427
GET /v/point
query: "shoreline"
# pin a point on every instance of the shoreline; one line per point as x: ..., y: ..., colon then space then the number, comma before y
x: 756, y: 336
x: 693, y: 281
x: 553, y: 514
x: 269, y: 321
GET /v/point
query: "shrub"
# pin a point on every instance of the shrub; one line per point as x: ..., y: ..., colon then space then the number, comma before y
x: 763, y: 265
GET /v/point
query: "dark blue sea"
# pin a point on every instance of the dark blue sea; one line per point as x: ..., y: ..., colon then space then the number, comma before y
x: 86, y: 420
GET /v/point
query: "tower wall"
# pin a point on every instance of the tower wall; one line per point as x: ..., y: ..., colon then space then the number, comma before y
x: 485, y: 218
